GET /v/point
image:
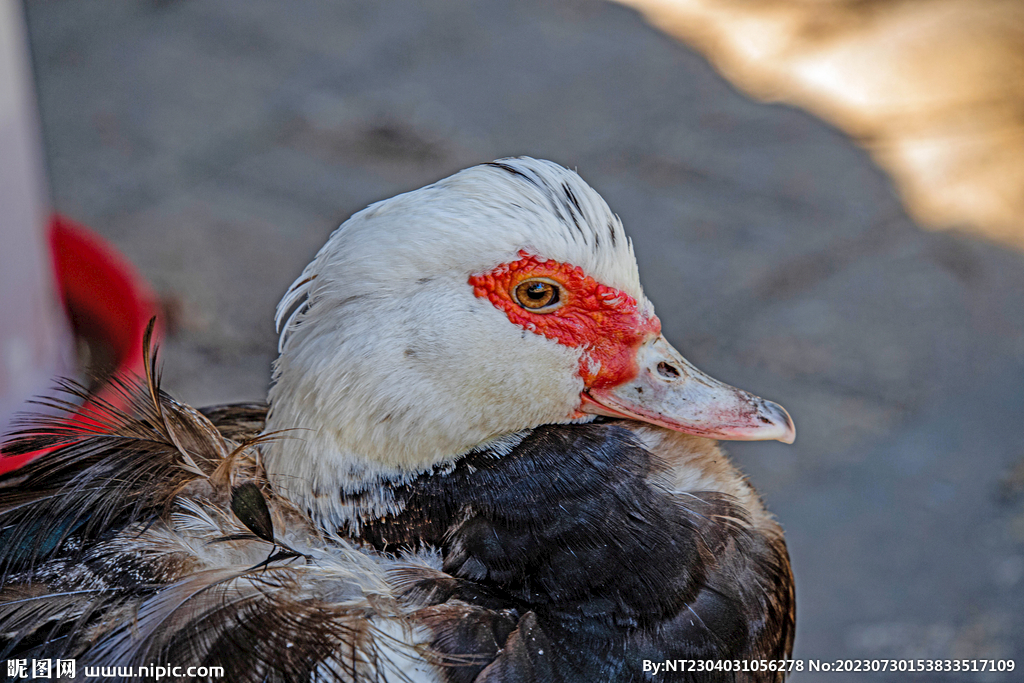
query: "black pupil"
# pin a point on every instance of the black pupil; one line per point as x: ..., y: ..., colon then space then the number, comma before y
x: 537, y: 291
x: 536, y: 295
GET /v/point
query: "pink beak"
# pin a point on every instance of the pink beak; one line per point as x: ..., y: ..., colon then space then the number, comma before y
x: 669, y: 392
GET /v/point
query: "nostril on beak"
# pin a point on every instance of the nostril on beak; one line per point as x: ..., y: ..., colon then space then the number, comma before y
x: 668, y: 371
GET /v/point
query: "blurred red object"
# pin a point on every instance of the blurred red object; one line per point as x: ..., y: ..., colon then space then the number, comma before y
x: 106, y: 300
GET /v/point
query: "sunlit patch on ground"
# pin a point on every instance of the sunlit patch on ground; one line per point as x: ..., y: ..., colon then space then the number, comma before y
x: 933, y: 88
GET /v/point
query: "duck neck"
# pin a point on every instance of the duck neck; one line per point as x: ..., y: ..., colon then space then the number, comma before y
x: 342, y: 487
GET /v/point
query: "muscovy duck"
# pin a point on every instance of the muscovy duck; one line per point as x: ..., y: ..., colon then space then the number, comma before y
x: 481, y: 461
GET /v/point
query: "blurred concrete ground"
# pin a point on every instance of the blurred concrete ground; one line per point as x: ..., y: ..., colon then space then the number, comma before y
x: 218, y: 144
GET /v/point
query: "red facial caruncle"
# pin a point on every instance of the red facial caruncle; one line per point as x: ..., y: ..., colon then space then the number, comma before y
x: 603, y: 321
x: 628, y: 369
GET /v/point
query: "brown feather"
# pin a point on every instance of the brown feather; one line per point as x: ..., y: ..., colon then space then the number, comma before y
x: 127, y: 545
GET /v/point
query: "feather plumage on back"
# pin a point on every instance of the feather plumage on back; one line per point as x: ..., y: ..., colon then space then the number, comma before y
x: 482, y: 463
x: 151, y: 537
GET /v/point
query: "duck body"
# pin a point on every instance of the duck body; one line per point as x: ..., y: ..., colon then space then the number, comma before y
x: 545, y: 543
x: 603, y: 567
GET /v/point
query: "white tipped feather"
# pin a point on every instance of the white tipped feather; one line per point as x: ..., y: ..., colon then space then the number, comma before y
x: 152, y: 560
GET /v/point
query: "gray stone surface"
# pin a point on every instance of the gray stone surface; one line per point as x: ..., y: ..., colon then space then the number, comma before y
x: 218, y: 143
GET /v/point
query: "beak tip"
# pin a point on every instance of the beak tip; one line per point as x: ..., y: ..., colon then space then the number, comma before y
x: 780, y: 417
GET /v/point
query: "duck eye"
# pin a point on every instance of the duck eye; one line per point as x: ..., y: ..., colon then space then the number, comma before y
x: 540, y: 296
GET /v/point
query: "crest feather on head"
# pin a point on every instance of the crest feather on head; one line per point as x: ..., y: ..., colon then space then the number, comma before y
x: 467, y: 223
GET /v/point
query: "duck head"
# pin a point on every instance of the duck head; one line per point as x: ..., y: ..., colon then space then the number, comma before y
x: 453, y: 317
